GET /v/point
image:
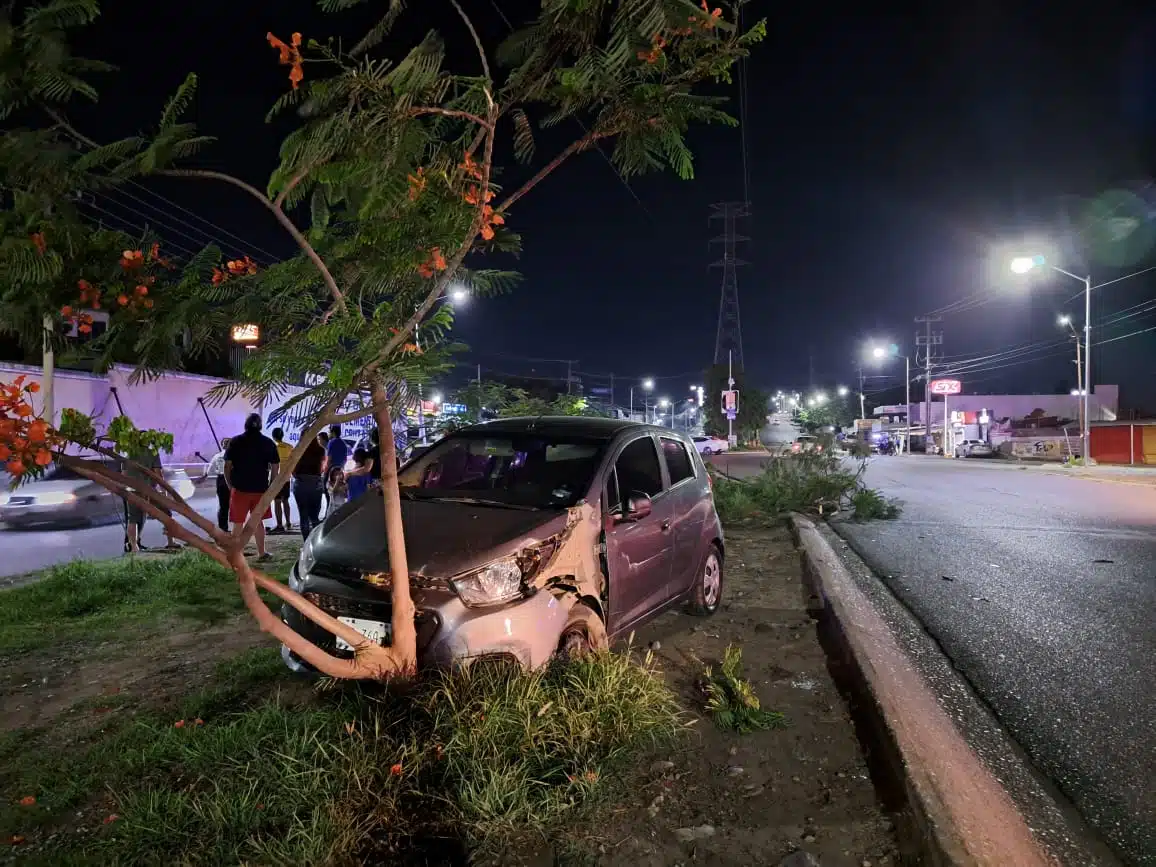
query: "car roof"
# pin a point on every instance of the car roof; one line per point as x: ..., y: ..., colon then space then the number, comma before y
x: 562, y: 425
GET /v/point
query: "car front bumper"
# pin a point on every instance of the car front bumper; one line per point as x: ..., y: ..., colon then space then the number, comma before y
x: 448, y: 632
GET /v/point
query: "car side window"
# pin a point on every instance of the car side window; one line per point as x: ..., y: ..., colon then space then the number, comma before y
x: 678, y: 465
x: 638, y: 469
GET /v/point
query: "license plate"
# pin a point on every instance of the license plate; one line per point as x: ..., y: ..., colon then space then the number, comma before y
x: 374, y: 630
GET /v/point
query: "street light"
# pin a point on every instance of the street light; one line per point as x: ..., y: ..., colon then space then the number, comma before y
x: 843, y: 391
x: 459, y: 295
x: 663, y: 403
x: 1024, y: 264
x: 647, y: 385
x: 882, y: 352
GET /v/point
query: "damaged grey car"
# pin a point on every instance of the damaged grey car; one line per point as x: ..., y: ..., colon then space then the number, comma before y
x: 526, y: 538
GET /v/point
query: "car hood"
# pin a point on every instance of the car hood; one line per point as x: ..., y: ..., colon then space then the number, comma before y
x: 441, y: 539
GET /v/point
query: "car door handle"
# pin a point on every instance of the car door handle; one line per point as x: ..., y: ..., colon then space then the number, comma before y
x: 666, y: 525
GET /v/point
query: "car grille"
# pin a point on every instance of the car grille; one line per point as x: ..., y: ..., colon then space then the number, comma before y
x: 21, y: 501
x: 426, y: 622
x: 347, y: 574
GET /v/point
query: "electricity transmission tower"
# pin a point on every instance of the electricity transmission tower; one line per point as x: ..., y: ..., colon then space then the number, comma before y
x: 729, y: 337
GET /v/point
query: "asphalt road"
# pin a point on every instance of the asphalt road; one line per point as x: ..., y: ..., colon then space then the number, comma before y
x: 1042, y: 591
x: 23, y: 551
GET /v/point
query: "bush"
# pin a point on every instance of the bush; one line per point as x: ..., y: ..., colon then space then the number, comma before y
x: 816, y: 482
x: 869, y: 504
x: 471, y: 761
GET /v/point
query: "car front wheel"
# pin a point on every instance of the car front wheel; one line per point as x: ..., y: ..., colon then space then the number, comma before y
x: 584, y: 634
x: 707, y: 592
x: 707, y: 452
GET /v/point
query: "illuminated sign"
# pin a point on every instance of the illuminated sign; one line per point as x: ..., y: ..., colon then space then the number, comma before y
x: 946, y: 386
x: 248, y: 333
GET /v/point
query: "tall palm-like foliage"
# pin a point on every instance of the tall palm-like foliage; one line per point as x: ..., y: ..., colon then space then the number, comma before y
x: 386, y: 185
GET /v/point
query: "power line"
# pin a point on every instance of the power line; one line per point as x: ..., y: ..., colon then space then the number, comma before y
x: 158, y: 221
x: 1123, y: 336
x: 136, y: 227
x: 183, y: 210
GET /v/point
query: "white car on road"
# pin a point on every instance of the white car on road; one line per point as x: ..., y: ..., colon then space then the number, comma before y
x: 708, y: 446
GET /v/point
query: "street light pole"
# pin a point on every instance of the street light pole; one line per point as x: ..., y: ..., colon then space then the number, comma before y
x: 862, y: 408
x: 1024, y: 264
x: 907, y: 439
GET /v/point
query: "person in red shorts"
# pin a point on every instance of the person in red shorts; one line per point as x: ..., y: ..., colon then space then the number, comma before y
x: 251, y: 462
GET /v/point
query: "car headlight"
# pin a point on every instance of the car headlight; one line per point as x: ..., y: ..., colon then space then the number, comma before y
x: 306, y: 559
x: 55, y: 499
x: 494, y: 584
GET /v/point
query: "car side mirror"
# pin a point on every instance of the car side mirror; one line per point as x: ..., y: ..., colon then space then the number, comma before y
x: 638, y: 506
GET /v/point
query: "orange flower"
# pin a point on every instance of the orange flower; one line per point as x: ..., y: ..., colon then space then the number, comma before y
x: 218, y: 276
x: 131, y: 259
x: 84, y: 329
x: 395, y: 770
x: 142, y: 290
x: 65, y: 310
x: 24, y: 410
x: 15, y: 467
x: 289, y: 55
x: 32, y: 387
x: 5, y: 452
x: 38, y: 431
x: 435, y: 262
x: 27, y: 801
x: 471, y: 168
x: 122, y: 300
x: 37, y: 239
x: 179, y: 724
x: 417, y: 184
x: 43, y: 457
x: 154, y: 251
x: 474, y: 196
x: 148, y: 304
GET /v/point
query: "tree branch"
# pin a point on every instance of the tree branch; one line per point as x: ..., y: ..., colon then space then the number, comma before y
x: 297, y: 178
x: 286, y: 223
x: 477, y: 44
x: 576, y: 147
x: 449, y: 112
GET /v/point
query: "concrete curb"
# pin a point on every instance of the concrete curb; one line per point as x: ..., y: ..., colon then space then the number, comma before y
x: 963, y: 815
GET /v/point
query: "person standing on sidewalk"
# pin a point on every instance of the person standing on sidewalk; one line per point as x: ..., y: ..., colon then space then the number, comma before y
x: 137, y: 467
x: 217, y: 468
x: 281, y: 512
x: 251, y: 462
x: 337, y: 452
x: 323, y: 438
x: 308, y: 486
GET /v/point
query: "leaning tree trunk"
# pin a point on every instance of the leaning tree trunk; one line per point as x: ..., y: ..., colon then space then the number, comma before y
x: 404, y: 643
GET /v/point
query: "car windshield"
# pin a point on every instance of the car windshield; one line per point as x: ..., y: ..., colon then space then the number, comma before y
x: 514, y: 470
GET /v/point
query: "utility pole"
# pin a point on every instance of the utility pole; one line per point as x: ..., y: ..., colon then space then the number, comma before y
x: 480, y: 407
x: 927, y: 341
x: 569, y: 375
x: 731, y: 386
x: 862, y: 405
x: 612, y: 394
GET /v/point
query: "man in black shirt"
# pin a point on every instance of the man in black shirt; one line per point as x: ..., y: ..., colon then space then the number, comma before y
x: 308, y: 485
x: 251, y: 462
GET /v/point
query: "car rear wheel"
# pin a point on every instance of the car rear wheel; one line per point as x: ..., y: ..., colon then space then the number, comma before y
x: 707, y: 593
x: 585, y: 633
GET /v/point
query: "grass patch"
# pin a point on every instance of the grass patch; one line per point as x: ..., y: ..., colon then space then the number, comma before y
x: 731, y: 700
x: 483, y: 758
x: 867, y: 504
x: 97, y: 600
x: 807, y: 482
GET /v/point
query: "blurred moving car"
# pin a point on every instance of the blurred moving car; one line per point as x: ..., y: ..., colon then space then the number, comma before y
x: 707, y: 446
x: 806, y: 443
x: 63, y: 496
x: 973, y: 449
x: 526, y: 537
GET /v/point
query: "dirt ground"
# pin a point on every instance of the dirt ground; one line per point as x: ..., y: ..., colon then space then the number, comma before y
x: 730, y: 799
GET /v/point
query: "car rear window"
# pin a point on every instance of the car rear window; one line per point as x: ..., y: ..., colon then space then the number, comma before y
x: 678, y: 464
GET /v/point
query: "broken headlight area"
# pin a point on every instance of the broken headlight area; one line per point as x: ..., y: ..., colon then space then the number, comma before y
x: 494, y: 584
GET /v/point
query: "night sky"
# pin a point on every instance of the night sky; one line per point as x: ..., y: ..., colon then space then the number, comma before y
x: 888, y: 154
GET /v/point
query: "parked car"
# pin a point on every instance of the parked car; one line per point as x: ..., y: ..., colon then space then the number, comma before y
x: 63, y: 496
x: 708, y: 446
x: 806, y: 443
x: 973, y: 449
x: 525, y: 537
